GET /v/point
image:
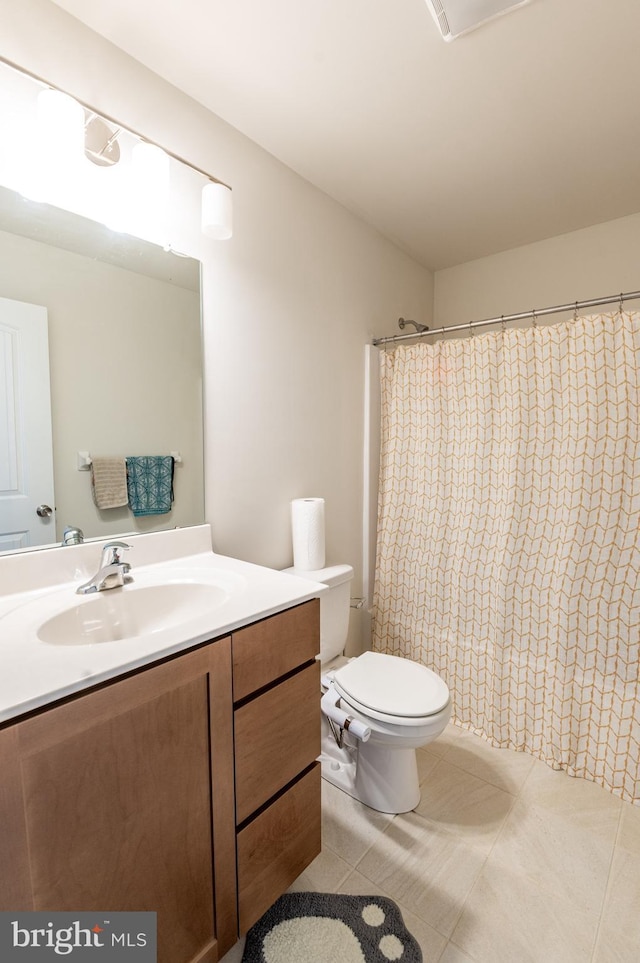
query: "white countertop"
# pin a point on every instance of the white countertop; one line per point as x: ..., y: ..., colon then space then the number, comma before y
x: 35, y: 673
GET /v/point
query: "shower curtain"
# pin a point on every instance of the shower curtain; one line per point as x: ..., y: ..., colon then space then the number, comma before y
x: 508, y: 553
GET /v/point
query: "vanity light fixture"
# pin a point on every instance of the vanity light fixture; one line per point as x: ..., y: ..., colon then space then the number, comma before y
x: 217, y: 211
x: 50, y: 165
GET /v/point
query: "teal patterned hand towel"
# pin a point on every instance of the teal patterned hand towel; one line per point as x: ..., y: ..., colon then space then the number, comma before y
x: 150, y: 484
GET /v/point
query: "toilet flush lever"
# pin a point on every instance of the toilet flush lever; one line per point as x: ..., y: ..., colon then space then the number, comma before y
x: 330, y: 706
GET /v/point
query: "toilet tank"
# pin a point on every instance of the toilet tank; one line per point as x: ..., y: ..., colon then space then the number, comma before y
x: 334, y: 607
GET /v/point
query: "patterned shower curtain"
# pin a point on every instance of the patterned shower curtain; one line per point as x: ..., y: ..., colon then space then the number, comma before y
x: 508, y: 552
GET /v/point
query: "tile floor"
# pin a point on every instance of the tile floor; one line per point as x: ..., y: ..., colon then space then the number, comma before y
x: 503, y: 861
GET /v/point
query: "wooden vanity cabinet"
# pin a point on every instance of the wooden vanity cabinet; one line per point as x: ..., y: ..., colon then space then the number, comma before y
x: 188, y: 788
x: 276, y: 686
x: 115, y: 790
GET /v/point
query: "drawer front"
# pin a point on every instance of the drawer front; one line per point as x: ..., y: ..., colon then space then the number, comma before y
x: 267, y: 650
x: 277, y: 735
x: 277, y: 846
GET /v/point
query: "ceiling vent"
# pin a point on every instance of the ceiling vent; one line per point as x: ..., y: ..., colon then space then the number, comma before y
x: 455, y: 17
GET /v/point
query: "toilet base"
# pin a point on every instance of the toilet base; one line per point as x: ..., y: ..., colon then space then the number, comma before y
x: 383, y: 779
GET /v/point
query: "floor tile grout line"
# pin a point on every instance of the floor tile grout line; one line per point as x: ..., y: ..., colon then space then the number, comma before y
x: 522, y: 875
x: 379, y: 886
x: 484, y: 864
x: 447, y: 833
x: 466, y: 899
x: 469, y: 956
x: 474, y: 775
x: 607, y: 888
x: 497, y: 838
x: 404, y: 910
x: 481, y: 869
x: 373, y: 842
x: 514, y: 799
x: 379, y: 831
x: 346, y: 876
x: 407, y: 909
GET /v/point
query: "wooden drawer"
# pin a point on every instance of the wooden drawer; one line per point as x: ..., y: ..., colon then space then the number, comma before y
x: 276, y: 846
x: 277, y: 735
x: 269, y: 649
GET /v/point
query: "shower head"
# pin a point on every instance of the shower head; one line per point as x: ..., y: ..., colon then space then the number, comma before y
x: 419, y: 327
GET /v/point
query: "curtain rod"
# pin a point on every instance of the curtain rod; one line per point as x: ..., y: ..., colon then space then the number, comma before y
x: 504, y: 318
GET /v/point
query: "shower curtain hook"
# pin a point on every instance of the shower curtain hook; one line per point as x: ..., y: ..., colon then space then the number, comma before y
x: 575, y: 312
x: 620, y: 304
x: 535, y: 318
x: 503, y: 323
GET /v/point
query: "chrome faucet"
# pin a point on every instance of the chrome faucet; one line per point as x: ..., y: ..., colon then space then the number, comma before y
x: 72, y: 536
x: 112, y: 572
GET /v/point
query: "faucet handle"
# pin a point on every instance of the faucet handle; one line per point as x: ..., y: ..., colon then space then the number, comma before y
x: 111, y: 552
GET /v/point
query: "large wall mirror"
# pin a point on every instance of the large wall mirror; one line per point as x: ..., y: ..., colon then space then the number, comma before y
x: 109, y: 334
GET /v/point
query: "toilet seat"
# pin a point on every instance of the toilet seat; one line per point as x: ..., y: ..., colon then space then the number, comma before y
x: 391, y: 689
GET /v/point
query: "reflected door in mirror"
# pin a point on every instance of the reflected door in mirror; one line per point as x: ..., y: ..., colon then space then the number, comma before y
x: 26, y: 458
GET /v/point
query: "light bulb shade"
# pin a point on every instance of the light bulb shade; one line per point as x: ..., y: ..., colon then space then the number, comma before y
x: 55, y: 169
x: 61, y: 124
x: 217, y: 211
x: 148, y: 203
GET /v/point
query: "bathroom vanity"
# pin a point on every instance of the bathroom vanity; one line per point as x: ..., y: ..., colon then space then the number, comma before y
x: 187, y: 785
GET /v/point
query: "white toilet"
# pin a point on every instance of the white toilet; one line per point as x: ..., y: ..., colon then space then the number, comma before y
x: 377, y: 709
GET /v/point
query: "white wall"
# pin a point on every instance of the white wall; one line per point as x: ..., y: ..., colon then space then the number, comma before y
x: 595, y: 262
x: 289, y: 302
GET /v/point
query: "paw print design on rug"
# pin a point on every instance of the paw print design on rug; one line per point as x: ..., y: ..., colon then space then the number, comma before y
x: 331, y: 928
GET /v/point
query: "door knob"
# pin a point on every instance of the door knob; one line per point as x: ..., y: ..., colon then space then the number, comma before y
x: 44, y: 511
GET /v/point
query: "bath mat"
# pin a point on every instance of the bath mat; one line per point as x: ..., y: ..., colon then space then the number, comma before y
x: 331, y: 928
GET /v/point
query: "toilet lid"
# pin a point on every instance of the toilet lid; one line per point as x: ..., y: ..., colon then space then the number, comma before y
x: 391, y: 685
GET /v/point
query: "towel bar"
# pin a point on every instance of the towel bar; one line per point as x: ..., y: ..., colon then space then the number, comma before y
x: 84, y: 459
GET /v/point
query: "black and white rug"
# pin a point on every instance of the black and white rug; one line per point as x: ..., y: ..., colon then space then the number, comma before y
x: 331, y: 928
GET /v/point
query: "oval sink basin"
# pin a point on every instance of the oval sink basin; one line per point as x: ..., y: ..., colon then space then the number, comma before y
x: 130, y: 611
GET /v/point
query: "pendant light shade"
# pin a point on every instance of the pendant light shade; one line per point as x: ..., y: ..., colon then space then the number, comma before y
x: 60, y: 124
x: 217, y: 211
x: 54, y: 168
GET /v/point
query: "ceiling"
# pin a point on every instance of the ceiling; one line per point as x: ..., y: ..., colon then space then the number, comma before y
x: 526, y: 128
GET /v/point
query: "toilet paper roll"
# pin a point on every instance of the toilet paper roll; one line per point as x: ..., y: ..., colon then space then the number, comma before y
x: 307, y: 529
